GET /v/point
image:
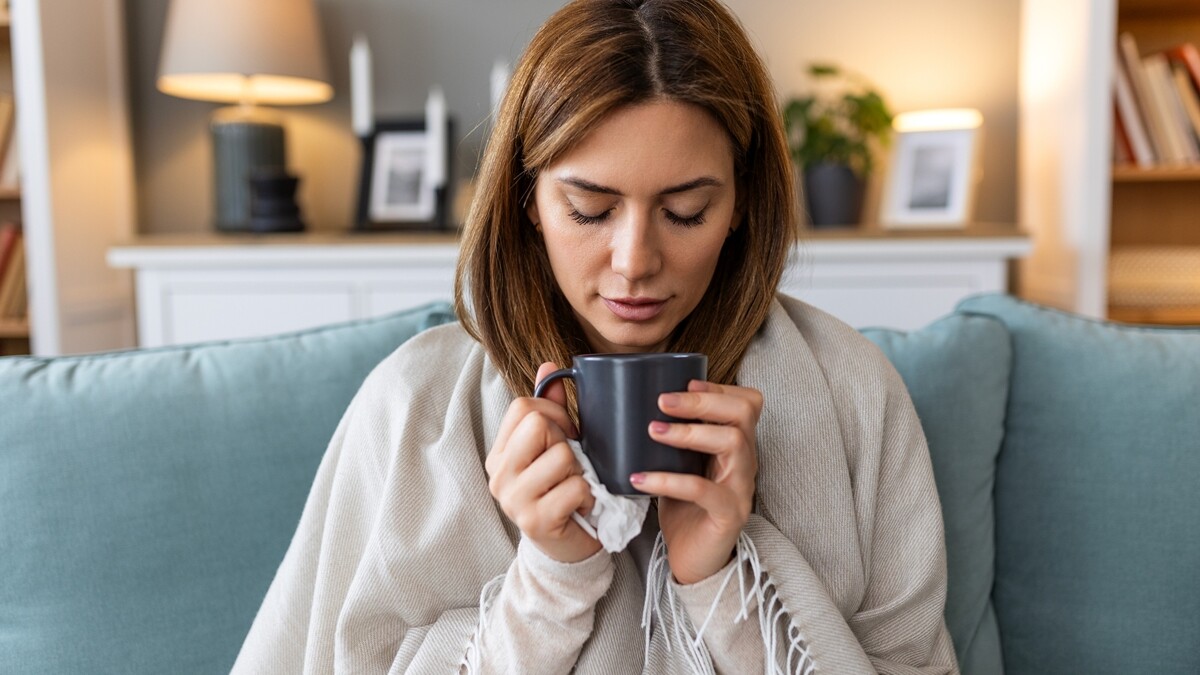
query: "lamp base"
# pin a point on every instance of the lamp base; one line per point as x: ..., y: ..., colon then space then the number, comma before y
x: 273, y: 203
x: 246, y: 140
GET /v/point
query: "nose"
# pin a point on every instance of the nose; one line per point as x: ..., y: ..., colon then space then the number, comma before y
x: 636, y: 249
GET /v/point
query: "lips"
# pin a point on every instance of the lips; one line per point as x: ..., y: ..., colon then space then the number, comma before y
x: 635, y: 309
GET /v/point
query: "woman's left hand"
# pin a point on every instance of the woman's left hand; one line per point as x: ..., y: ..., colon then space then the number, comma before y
x: 701, y: 517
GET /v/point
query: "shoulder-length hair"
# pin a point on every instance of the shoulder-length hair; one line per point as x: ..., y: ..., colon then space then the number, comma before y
x: 590, y: 58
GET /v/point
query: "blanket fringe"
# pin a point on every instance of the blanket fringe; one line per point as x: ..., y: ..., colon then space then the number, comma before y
x: 487, y: 597
x: 774, y: 621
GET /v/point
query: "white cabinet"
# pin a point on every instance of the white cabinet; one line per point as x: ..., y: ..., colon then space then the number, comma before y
x: 207, y: 288
x: 902, y: 280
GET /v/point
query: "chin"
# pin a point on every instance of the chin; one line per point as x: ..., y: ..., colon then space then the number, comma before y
x: 635, y: 338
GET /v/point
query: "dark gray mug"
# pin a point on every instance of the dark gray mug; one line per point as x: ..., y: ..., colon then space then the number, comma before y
x: 618, y: 398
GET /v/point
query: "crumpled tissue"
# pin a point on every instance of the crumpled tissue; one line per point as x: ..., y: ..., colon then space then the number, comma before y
x: 614, y: 519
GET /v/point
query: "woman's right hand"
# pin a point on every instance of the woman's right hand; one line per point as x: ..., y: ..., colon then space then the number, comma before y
x: 535, y: 477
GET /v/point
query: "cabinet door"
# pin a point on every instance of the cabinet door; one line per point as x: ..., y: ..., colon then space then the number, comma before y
x: 226, y: 311
x: 177, y: 306
x: 185, y: 306
x: 405, y: 289
x: 904, y: 296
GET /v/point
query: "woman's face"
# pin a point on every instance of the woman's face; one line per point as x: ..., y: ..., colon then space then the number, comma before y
x: 634, y: 218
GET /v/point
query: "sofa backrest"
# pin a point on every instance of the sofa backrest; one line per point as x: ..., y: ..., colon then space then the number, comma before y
x: 147, y: 497
x: 956, y: 371
x: 136, y: 538
x: 1097, y: 495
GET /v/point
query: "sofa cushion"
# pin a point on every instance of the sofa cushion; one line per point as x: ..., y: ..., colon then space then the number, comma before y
x: 149, y: 496
x: 1098, y: 495
x: 956, y: 371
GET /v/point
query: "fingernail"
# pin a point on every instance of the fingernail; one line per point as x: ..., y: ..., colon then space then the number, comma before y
x: 669, y: 400
x: 659, y: 427
x: 637, y: 478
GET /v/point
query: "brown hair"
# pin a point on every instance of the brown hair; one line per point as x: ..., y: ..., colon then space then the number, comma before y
x: 589, y: 58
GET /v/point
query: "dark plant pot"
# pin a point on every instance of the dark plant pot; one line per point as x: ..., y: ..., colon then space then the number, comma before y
x: 834, y: 195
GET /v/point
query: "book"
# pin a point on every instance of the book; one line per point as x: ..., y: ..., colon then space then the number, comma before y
x: 10, y: 170
x: 1189, y: 96
x: 11, y: 283
x: 1122, y: 152
x: 1130, y: 118
x: 18, y: 307
x: 8, y: 241
x: 1184, y: 148
x: 7, y: 114
x: 1155, y: 126
x: 1188, y: 56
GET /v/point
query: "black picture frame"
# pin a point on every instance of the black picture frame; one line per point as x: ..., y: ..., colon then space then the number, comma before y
x: 394, y: 152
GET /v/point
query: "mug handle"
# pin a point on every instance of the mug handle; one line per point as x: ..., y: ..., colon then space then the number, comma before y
x: 556, y: 375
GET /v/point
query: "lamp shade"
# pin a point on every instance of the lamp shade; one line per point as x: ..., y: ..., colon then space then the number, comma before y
x: 254, y: 51
x: 938, y: 120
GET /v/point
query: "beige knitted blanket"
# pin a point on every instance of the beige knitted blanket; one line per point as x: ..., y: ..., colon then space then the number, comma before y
x: 400, y: 534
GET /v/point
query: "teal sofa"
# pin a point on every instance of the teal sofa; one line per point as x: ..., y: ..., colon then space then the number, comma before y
x: 147, y: 496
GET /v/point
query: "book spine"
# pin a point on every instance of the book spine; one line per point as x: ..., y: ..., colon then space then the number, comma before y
x: 1188, y: 56
x: 1144, y: 97
x: 8, y: 242
x: 1169, y: 109
x: 1189, y: 97
x: 1131, y: 118
x: 1122, y: 151
x: 11, y: 284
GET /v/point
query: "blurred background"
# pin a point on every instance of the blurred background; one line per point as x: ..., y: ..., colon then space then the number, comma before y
x: 919, y: 54
x: 112, y: 207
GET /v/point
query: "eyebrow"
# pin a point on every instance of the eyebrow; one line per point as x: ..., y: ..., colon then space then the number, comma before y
x: 703, y: 181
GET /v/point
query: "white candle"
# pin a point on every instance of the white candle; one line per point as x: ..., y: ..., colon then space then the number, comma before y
x: 360, y: 86
x: 435, y: 131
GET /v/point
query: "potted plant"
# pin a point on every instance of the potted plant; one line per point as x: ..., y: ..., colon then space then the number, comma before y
x: 831, y: 133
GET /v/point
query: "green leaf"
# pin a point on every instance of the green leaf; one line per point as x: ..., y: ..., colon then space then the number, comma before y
x: 823, y: 70
x: 837, y: 128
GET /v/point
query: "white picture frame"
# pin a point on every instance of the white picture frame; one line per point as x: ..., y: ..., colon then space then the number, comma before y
x: 400, y: 187
x: 932, y: 179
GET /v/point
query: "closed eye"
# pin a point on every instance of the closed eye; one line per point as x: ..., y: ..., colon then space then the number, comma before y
x: 589, y: 220
x: 685, y: 221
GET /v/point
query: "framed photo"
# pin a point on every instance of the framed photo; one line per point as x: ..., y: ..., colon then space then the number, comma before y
x: 932, y: 179
x: 395, y: 190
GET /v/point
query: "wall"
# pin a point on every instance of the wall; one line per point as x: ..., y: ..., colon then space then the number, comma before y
x: 920, y: 53
x: 77, y: 172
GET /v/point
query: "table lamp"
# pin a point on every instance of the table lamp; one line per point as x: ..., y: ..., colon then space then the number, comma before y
x: 247, y: 52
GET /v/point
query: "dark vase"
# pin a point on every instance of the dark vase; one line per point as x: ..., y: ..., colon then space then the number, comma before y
x: 833, y: 194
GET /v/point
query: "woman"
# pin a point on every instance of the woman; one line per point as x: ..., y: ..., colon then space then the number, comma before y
x: 636, y: 195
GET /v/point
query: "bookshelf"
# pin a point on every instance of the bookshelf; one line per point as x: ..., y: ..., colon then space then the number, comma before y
x: 1154, y: 208
x: 77, y: 193
x: 14, y: 332
x: 1086, y: 215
